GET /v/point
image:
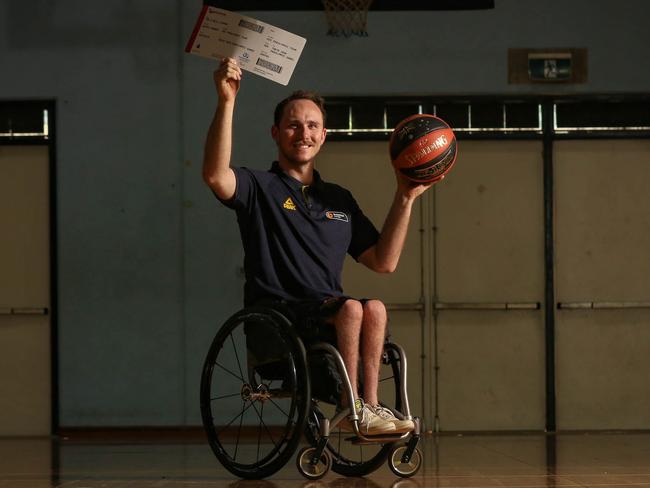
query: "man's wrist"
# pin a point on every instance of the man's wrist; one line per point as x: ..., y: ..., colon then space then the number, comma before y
x: 404, y: 198
x: 226, y: 103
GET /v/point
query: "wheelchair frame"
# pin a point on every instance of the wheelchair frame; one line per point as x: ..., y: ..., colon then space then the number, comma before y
x: 313, y: 461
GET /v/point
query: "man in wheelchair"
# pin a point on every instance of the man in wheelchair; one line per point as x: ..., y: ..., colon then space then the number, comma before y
x: 296, y: 230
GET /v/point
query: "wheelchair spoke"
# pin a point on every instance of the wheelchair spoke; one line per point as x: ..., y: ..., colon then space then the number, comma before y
x: 279, y: 408
x: 230, y: 372
x: 234, y: 348
x: 225, y: 396
x: 386, y: 379
x: 235, y: 418
x: 262, y: 423
x: 259, y: 433
x: 241, y: 421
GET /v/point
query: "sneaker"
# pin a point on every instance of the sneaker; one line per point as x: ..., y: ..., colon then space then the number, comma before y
x: 401, y: 426
x: 369, y: 422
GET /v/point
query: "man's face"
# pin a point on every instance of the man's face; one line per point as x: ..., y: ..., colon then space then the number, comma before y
x: 300, y: 134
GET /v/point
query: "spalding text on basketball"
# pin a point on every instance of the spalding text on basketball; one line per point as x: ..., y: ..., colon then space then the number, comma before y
x: 438, y: 143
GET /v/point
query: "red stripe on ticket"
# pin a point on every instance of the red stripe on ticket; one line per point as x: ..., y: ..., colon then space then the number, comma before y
x: 195, y: 32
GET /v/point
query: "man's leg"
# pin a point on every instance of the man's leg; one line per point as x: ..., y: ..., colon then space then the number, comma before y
x: 348, y: 330
x: 373, y: 334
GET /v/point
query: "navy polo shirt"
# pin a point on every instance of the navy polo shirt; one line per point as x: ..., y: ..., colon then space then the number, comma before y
x: 295, y: 237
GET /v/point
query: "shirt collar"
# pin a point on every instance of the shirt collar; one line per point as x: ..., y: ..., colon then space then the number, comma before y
x: 291, y: 181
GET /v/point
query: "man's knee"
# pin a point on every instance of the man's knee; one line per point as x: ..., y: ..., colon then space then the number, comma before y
x: 350, y: 311
x: 374, y: 310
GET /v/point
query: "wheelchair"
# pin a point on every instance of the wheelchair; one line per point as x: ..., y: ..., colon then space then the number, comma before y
x: 263, y: 387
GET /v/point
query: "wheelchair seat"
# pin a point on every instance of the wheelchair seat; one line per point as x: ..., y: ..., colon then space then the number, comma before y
x: 263, y: 386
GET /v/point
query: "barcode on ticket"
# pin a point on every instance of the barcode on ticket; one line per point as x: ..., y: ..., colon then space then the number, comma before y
x: 251, y: 26
x: 269, y: 65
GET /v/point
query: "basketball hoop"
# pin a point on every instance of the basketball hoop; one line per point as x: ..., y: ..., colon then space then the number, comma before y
x: 346, y: 17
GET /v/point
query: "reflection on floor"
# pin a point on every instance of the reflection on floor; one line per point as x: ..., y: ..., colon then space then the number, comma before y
x: 512, y: 461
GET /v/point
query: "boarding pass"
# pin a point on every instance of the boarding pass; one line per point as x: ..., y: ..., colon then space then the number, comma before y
x: 258, y: 47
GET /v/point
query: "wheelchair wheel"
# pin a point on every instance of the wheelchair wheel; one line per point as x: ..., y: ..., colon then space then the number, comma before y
x: 404, y: 470
x: 255, y: 394
x: 309, y: 470
x: 348, y: 458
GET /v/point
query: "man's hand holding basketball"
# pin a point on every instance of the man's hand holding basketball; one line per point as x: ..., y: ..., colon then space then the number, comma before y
x: 227, y: 79
x: 410, y: 189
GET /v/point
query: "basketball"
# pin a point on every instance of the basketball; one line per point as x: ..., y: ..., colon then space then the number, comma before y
x: 423, y: 148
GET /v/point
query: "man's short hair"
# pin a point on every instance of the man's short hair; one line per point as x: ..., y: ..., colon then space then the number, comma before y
x: 300, y: 95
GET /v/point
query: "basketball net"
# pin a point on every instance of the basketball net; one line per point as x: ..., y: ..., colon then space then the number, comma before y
x: 346, y: 17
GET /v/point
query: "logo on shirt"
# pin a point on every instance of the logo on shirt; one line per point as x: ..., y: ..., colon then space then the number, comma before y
x: 336, y: 216
x: 288, y: 204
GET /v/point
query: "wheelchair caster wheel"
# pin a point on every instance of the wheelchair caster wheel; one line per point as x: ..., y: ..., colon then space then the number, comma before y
x: 309, y: 470
x: 404, y: 469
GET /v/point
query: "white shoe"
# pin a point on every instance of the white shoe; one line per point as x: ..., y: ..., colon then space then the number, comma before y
x: 401, y: 426
x: 369, y: 422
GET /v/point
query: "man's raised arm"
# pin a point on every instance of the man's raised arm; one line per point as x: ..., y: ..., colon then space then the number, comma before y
x: 218, y: 145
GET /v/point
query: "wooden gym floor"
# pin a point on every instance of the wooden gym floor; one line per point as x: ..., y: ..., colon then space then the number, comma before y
x: 468, y: 461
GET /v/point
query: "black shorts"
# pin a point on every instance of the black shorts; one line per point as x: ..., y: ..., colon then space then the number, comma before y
x: 311, y: 318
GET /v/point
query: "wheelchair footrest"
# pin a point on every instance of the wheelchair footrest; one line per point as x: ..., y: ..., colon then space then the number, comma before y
x: 383, y: 439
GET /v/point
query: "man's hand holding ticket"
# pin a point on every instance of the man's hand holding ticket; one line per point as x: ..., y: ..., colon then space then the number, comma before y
x: 258, y: 47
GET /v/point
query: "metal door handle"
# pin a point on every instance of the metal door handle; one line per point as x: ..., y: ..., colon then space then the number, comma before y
x: 487, y: 306
x: 405, y: 307
x: 24, y: 311
x: 601, y: 305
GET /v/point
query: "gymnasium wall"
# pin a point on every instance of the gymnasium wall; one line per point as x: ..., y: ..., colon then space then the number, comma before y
x: 148, y: 262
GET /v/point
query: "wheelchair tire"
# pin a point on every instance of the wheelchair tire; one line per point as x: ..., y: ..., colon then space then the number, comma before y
x: 357, y: 460
x: 404, y: 470
x: 312, y: 471
x: 255, y: 393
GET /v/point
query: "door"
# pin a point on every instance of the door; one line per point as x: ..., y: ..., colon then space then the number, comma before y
x: 603, y: 284
x: 25, y: 403
x: 489, y: 284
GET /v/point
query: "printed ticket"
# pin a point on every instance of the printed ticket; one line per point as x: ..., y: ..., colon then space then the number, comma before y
x: 258, y: 47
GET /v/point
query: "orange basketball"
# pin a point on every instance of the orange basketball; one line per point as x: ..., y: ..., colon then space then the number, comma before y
x: 423, y: 148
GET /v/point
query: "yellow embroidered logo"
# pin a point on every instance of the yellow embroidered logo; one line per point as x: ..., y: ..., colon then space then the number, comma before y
x: 289, y: 205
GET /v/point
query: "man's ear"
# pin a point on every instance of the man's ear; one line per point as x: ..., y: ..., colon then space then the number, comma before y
x: 274, y: 132
x: 324, y: 134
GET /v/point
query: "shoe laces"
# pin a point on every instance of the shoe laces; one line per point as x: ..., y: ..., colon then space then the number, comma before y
x: 365, y: 414
x: 383, y: 412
